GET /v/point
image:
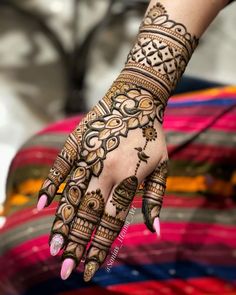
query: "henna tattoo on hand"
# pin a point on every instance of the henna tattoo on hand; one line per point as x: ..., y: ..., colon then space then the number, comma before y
x: 154, y: 190
x: 135, y: 101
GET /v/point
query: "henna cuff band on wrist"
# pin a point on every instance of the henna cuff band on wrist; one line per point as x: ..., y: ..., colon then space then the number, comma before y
x: 160, y: 54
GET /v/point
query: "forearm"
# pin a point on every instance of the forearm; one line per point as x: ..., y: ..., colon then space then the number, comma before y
x: 167, y: 38
x: 196, y: 16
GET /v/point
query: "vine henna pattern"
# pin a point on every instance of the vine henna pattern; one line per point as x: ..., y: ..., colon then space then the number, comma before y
x: 135, y: 101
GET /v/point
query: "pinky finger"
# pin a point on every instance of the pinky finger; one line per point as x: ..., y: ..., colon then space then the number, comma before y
x: 58, y: 173
x: 154, y: 190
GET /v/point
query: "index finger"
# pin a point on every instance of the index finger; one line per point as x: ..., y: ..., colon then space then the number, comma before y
x: 59, y: 171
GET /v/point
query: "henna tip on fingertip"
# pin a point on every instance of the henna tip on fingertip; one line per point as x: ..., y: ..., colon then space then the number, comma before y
x: 42, y: 202
x: 67, y: 267
x: 56, y: 244
x: 90, y: 268
x: 156, y: 225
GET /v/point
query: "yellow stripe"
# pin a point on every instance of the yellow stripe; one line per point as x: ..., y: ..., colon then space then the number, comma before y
x: 199, y: 184
x: 211, y: 92
x: 21, y: 195
x: 181, y: 184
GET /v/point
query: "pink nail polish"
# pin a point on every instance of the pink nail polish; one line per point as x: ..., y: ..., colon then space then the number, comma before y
x: 156, y: 225
x: 67, y: 267
x: 56, y: 244
x: 42, y: 202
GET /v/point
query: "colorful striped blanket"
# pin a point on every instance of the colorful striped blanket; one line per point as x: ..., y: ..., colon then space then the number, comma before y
x: 196, y: 253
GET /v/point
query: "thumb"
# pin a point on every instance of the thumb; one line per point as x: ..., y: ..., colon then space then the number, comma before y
x: 154, y: 190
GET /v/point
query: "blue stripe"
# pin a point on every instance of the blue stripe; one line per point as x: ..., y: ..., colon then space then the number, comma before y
x: 123, y: 274
x: 213, y: 102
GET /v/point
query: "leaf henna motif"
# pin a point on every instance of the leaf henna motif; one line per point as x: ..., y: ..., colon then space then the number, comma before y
x: 136, y: 101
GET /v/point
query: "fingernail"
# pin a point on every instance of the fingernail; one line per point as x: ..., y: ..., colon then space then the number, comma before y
x: 56, y: 244
x: 90, y: 268
x: 42, y: 202
x: 67, y: 267
x: 156, y: 225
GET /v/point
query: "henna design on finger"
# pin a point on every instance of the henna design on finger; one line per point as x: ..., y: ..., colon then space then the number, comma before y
x: 124, y: 193
x: 110, y: 226
x: 89, y: 212
x: 154, y: 192
x: 108, y: 229
x: 60, y: 169
x: 68, y: 205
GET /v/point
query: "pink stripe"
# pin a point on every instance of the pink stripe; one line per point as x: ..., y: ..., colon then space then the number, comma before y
x: 200, y: 202
x: 26, y: 215
x: 35, y: 155
x: 63, y: 126
x: 166, y: 252
x: 24, y: 256
x: 208, y: 110
x: 208, y: 153
x: 196, y: 123
x: 200, y: 233
x: 185, y: 124
x: 198, y: 286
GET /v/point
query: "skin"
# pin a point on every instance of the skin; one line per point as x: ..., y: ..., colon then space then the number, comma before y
x: 120, y: 143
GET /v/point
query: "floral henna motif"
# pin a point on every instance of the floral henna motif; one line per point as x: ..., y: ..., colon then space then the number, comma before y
x: 134, y: 102
x: 131, y: 108
x: 154, y: 190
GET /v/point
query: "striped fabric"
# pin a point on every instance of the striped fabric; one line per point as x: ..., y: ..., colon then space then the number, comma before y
x: 197, y: 250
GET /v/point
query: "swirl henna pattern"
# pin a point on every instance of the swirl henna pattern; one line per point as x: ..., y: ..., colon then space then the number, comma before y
x: 135, y: 102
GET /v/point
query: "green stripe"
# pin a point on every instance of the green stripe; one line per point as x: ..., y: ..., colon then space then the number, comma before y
x: 209, y: 137
x: 47, y: 140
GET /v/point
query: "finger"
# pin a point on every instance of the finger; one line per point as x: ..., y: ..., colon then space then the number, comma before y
x: 68, y: 207
x: 110, y: 225
x: 154, y: 189
x: 88, y: 215
x: 59, y: 171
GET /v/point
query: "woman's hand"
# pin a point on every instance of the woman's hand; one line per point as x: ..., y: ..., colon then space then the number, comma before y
x: 117, y: 146
x: 120, y: 143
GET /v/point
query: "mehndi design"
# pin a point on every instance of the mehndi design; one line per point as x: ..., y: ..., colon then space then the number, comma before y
x: 154, y: 190
x: 136, y: 101
x: 88, y: 215
x: 160, y: 54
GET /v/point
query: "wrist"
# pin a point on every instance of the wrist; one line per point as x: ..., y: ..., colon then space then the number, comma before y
x: 160, y: 54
